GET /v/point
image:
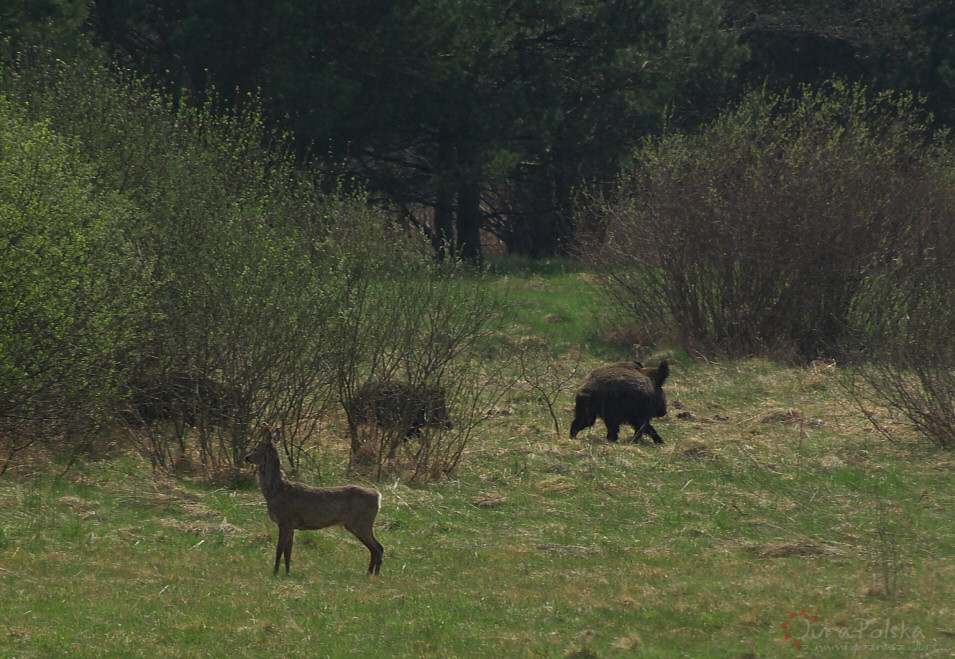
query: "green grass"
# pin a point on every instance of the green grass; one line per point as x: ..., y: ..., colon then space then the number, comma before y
x: 559, y: 301
x: 771, y: 495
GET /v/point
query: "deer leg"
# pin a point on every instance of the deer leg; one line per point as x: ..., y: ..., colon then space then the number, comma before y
x: 284, y: 547
x: 377, y: 554
x: 288, y: 549
x: 374, y: 547
x: 278, y: 551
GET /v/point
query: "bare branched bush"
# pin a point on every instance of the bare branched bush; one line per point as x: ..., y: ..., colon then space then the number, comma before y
x: 755, y: 235
x: 547, y: 374
x: 421, y: 325
x: 904, y: 320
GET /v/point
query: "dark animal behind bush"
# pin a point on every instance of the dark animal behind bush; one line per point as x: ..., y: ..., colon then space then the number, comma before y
x: 395, y: 405
x: 178, y: 397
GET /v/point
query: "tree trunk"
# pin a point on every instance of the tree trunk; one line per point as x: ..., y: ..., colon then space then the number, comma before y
x: 442, y: 240
x: 469, y: 220
x: 469, y: 205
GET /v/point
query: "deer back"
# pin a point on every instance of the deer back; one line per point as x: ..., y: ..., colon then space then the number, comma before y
x: 300, y: 506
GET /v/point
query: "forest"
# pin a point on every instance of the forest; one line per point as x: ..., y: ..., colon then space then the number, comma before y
x: 479, y: 122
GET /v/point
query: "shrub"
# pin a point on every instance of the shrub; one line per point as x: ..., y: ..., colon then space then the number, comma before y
x: 70, y: 283
x: 266, y: 298
x: 231, y: 238
x: 756, y: 234
x: 904, y: 320
x: 402, y: 317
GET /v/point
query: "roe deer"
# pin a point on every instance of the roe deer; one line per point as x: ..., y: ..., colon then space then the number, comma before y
x: 296, y: 506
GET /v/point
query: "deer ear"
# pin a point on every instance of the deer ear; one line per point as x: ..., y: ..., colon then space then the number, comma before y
x: 276, y: 434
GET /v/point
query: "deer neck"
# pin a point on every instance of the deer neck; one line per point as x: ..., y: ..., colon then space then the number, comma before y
x: 270, y: 477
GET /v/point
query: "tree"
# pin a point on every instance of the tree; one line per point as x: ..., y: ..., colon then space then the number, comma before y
x: 461, y: 116
x: 49, y: 24
x: 894, y: 45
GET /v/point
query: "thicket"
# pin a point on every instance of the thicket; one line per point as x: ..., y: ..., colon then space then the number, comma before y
x: 70, y: 285
x: 756, y: 234
x: 800, y: 227
x: 170, y: 269
x: 904, y: 317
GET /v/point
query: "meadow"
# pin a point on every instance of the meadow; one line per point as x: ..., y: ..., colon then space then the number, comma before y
x: 775, y: 521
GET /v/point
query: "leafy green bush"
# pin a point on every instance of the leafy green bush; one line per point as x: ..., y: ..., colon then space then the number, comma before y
x: 755, y: 235
x: 218, y: 214
x: 70, y: 282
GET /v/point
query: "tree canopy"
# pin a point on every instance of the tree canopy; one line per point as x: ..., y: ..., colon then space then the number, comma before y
x: 478, y: 120
x: 461, y: 116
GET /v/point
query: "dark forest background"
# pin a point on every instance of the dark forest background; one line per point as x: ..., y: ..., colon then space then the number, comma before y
x: 479, y: 121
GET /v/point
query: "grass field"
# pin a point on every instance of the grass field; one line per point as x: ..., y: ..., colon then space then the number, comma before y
x: 772, y: 502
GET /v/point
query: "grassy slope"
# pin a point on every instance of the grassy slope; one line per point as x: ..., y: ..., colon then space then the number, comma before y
x: 771, y: 495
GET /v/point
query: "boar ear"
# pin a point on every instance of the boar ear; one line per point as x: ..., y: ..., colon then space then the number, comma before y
x: 662, y: 373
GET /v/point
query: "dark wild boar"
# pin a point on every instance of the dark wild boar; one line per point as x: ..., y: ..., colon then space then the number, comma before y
x: 623, y: 392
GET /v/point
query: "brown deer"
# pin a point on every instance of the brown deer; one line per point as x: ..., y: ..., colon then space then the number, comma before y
x: 296, y: 506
